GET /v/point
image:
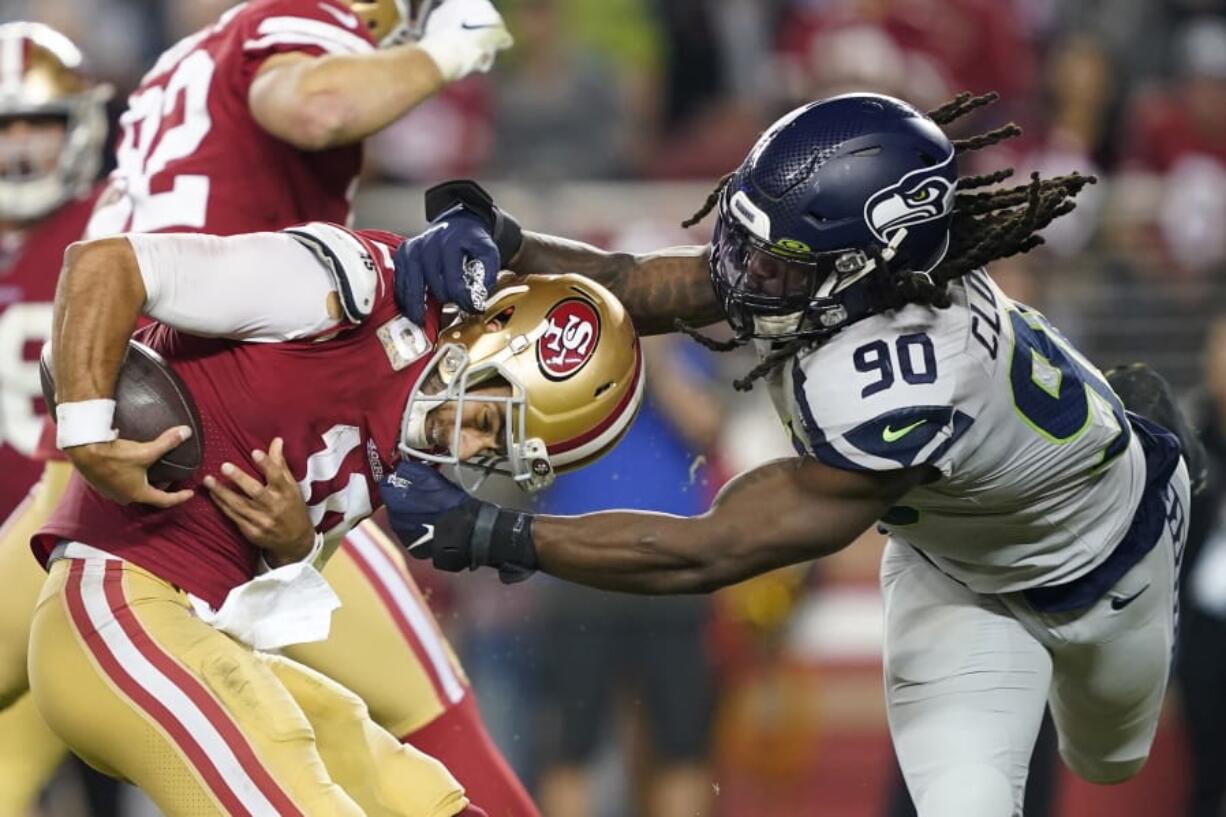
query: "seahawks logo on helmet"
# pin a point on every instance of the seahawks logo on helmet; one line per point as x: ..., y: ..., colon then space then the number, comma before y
x: 921, y: 196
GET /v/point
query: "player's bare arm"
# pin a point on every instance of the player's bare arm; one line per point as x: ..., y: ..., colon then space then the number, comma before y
x: 316, y: 103
x: 472, y: 237
x: 97, y: 303
x: 321, y: 102
x: 785, y: 512
x: 657, y: 288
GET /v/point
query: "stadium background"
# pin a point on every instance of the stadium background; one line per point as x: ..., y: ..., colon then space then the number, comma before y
x: 610, y: 119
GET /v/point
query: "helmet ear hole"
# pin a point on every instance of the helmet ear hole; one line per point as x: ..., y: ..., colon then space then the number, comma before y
x: 601, y: 389
x: 864, y: 153
x: 503, y: 317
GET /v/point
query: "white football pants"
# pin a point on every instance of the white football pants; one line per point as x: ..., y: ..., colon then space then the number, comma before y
x: 967, y: 676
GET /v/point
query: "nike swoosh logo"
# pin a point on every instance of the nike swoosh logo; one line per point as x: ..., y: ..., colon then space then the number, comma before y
x: 1120, y: 602
x: 343, y: 17
x: 890, y: 435
x: 423, y: 539
x: 471, y: 27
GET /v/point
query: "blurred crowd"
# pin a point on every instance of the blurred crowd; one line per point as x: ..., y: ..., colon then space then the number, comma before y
x: 630, y: 92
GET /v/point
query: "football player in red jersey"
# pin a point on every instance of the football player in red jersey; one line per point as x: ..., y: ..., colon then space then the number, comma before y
x: 256, y: 123
x: 52, y: 129
x: 128, y: 659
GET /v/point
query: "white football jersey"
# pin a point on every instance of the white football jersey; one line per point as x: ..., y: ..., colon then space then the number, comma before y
x: 1040, y: 470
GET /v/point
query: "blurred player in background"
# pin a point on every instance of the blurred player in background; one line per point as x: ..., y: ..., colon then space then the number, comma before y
x: 1036, y: 527
x: 256, y: 123
x: 52, y: 134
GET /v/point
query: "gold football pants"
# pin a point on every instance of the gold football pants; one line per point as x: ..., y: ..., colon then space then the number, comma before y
x: 137, y: 686
x: 384, y: 644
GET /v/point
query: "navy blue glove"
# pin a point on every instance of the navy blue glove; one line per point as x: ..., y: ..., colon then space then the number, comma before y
x: 437, y: 520
x: 455, y: 260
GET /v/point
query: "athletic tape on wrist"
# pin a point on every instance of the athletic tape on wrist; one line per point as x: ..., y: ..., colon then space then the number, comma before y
x: 84, y: 422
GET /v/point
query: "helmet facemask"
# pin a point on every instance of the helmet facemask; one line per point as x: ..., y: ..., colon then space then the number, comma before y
x: 525, y: 460
x: 783, y: 290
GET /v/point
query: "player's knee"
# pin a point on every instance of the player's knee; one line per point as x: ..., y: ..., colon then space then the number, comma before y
x: 967, y: 790
x: 1099, y: 771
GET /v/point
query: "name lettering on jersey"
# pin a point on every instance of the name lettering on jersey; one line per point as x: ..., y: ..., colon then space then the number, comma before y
x: 403, y: 341
x: 989, y: 318
x: 376, y: 464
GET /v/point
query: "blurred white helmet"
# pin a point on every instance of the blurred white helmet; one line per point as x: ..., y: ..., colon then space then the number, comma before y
x: 41, y: 79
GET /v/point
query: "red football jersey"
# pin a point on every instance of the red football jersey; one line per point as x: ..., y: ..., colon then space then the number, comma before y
x: 28, y: 273
x: 338, y: 404
x: 192, y: 158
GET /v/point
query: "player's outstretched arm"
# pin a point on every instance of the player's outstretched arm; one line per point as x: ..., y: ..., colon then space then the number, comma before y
x: 471, y: 238
x: 316, y: 103
x: 657, y: 288
x: 782, y: 513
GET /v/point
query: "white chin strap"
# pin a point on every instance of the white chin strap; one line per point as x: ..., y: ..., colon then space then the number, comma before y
x: 414, y: 428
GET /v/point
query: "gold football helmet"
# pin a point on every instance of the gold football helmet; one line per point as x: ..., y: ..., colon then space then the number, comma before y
x: 392, y: 22
x: 41, y: 79
x: 567, y: 348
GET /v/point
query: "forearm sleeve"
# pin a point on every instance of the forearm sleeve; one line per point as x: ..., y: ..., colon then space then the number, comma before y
x: 262, y: 287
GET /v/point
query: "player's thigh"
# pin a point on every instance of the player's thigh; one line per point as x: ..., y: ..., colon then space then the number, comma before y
x: 142, y: 690
x: 965, y: 690
x: 384, y: 643
x: 384, y: 776
x: 1112, y: 664
x: 23, y: 577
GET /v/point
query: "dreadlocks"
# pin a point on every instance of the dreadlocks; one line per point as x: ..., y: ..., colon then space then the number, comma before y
x: 987, y: 225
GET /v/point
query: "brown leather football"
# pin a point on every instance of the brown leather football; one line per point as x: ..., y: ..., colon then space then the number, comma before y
x: 149, y: 398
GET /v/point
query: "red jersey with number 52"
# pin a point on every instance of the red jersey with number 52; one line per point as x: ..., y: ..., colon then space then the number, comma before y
x: 337, y: 402
x: 192, y: 158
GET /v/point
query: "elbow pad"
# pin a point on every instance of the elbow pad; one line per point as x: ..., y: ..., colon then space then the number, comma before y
x: 505, y: 231
x: 347, y: 260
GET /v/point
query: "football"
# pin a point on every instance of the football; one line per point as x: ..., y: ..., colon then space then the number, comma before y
x: 149, y: 398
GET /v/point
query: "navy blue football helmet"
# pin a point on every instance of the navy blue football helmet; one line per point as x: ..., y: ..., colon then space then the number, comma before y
x: 830, y: 193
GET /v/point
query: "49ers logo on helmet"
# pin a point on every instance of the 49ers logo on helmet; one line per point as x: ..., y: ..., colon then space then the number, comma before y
x: 571, y: 333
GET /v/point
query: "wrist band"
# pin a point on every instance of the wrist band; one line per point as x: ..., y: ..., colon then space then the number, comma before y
x: 84, y: 422
x: 505, y: 231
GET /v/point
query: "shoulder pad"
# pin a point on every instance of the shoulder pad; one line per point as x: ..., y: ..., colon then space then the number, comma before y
x: 347, y: 258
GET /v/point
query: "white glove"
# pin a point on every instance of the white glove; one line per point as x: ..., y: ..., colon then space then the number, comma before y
x: 463, y: 36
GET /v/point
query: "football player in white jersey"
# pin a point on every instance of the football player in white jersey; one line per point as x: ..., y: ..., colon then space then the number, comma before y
x: 1035, y: 525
